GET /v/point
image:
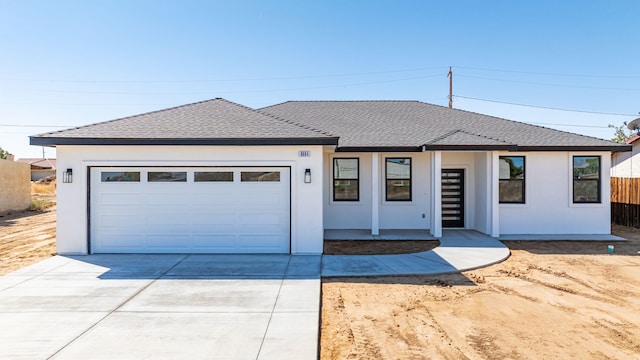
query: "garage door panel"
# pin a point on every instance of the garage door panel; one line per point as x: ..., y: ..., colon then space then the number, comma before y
x: 167, y: 241
x: 258, y: 241
x: 260, y: 218
x: 265, y: 197
x: 171, y: 197
x: 214, y: 242
x: 122, y: 241
x: 120, y: 220
x: 214, y: 216
x: 120, y: 198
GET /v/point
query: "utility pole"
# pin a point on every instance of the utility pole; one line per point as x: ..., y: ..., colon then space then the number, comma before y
x: 450, y: 76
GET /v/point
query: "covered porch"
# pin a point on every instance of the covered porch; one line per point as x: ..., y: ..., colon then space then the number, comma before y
x: 447, y: 189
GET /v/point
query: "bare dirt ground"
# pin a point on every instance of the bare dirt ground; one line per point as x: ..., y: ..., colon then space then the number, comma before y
x: 549, y: 300
x: 29, y: 236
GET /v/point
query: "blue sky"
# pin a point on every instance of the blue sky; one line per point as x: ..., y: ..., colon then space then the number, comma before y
x: 70, y: 63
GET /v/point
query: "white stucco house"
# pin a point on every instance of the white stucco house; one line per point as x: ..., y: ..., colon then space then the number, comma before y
x: 627, y: 164
x: 219, y: 177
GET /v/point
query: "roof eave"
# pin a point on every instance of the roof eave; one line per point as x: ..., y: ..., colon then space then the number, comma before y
x: 610, y: 148
x: 53, y: 141
x: 379, y: 149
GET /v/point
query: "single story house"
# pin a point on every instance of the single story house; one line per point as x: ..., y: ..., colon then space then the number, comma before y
x: 219, y: 177
x: 627, y: 164
x: 40, y: 168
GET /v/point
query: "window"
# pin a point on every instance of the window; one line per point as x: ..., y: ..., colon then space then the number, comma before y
x: 264, y: 176
x: 586, y: 179
x: 346, y: 183
x: 512, y: 178
x: 398, y: 179
x: 209, y: 176
x: 167, y: 176
x: 120, y: 176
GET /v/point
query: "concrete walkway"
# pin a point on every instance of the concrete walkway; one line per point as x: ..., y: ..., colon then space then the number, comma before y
x: 195, y: 306
x: 162, y: 307
x: 459, y: 250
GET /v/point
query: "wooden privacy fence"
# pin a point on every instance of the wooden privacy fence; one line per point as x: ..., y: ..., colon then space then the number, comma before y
x: 625, y: 201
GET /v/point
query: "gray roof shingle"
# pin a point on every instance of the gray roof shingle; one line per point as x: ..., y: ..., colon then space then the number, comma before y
x: 351, y: 125
x: 370, y: 124
x: 215, y: 121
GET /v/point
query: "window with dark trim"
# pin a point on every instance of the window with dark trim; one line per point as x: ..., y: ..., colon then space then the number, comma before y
x: 260, y: 176
x: 397, y: 179
x: 512, y: 180
x: 586, y: 179
x: 120, y: 176
x: 167, y: 176
x: 346, y: 179
x: 213, y: 176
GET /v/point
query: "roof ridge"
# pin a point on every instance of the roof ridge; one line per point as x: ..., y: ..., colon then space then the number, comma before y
x: 337, y: 101
x: 132, y: 116
x: 486, y: 137
x: 444, y: 136
x: 291, y: 122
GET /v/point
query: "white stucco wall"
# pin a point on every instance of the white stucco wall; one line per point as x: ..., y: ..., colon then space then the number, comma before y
x: 626, y: 164
x: 391, y: 214
x: 306, y: 199
x: 549, y: 207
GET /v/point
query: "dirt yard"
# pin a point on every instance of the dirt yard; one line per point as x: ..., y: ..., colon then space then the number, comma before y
x: 549, y: 300
x: 29, y: 236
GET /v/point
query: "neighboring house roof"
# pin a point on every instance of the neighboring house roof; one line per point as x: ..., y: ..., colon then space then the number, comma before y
x: 211, y: 122
x: 351, y: 125
x: 39, y: 163
x: 411, y: 124
x: 632, y: 139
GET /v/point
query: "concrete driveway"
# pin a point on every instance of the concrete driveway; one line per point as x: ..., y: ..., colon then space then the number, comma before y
x: 162, y: 306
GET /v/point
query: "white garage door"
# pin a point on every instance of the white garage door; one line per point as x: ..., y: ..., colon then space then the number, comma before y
x: 190, y: 210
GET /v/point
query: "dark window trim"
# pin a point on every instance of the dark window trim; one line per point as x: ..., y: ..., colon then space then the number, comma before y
x: 599, y: 180
x: 386, y: 180
x: 333, y: 176
x: 524, y: 181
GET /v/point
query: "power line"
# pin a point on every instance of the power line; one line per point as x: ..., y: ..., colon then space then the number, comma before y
x: 227, y: 92
x: 572, y: 125
x: 544, y: 107
x: 38, y: 126
x: 232, y: 80
x: 551, y: 74
x: 549, y: 84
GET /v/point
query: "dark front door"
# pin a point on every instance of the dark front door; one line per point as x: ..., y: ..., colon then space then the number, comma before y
x: 452, y: 197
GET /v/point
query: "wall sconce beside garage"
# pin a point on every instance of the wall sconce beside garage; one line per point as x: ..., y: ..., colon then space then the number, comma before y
x: 67, y: 176
x: 307, y: 176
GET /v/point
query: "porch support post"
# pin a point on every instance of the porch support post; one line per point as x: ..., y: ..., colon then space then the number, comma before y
x: 375, y: 194
x: 493, y: 198
x: 436, y: 194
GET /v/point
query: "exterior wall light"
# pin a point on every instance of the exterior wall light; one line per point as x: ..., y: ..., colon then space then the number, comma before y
x: 67, y: 176
x: 307, y: 176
